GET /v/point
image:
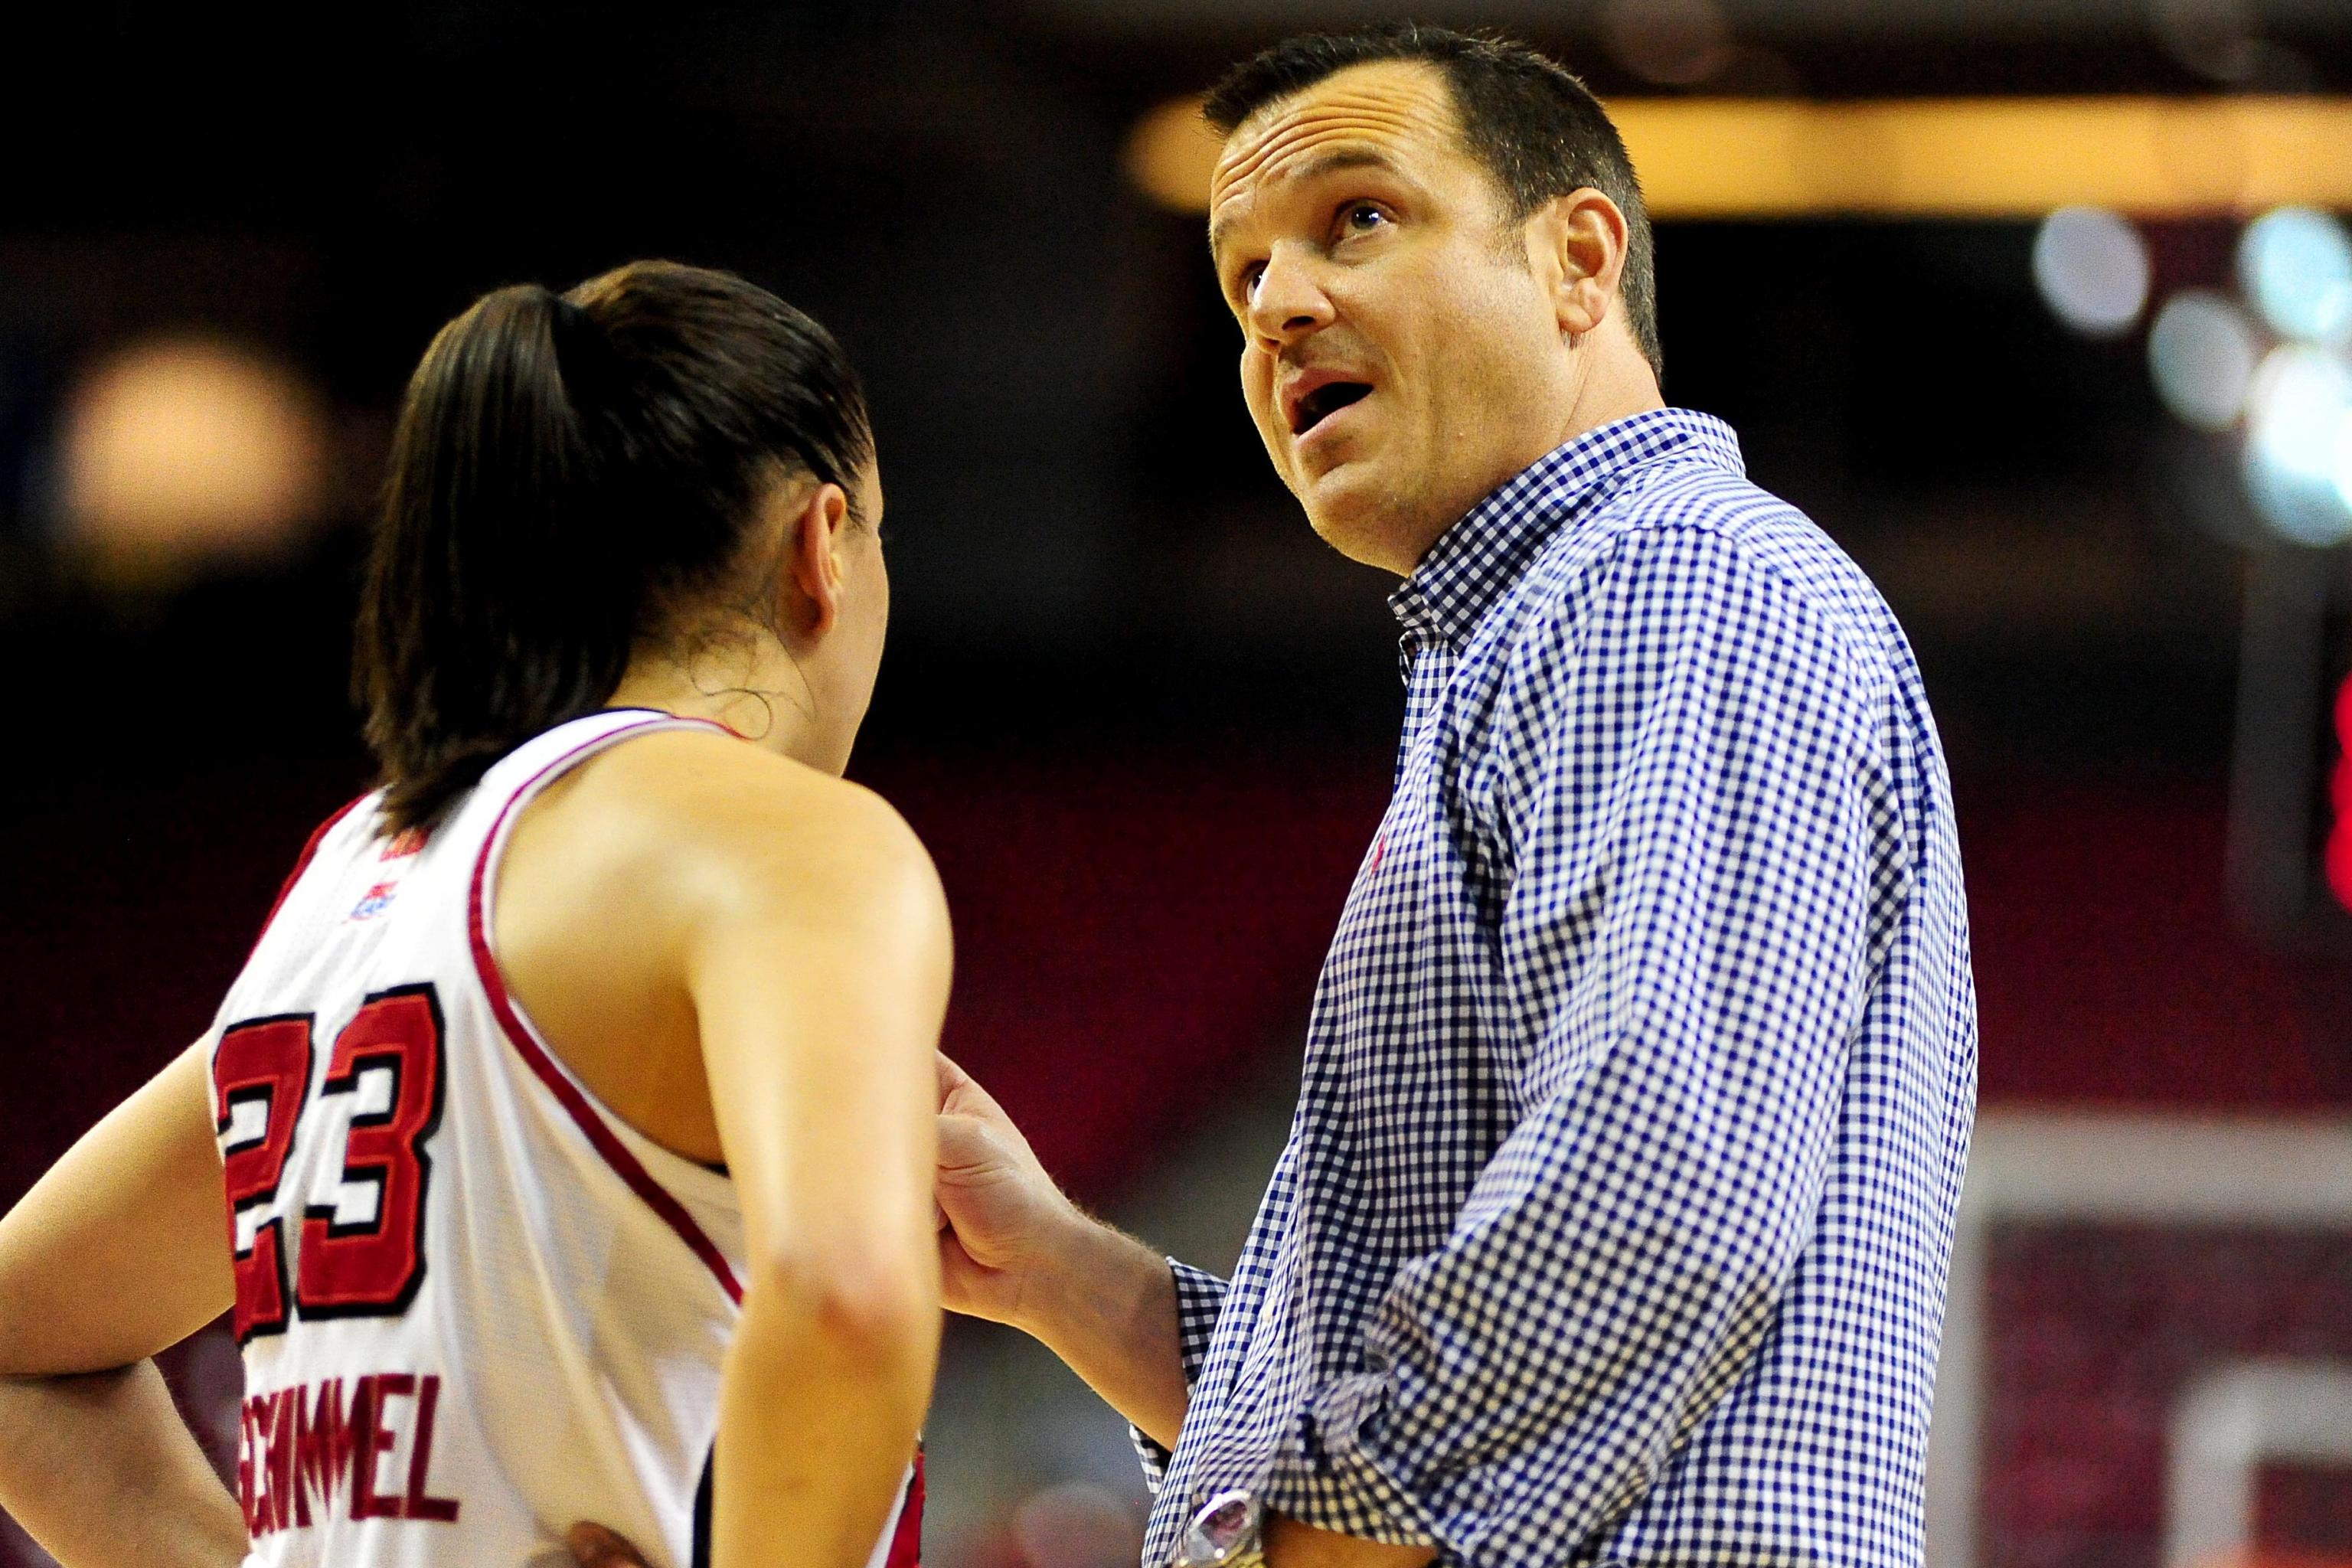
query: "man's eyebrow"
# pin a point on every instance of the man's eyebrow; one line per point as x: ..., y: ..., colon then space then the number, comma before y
x: 1331, y: 162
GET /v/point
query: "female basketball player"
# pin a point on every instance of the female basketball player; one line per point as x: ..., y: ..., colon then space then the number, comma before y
x: 574, y: 1111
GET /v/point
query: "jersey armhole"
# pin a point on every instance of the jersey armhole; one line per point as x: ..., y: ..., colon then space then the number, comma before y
x: 525, y: 1038
x: 301, y: 864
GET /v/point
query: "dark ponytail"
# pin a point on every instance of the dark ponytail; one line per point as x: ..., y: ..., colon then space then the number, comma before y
x: 572, y: 474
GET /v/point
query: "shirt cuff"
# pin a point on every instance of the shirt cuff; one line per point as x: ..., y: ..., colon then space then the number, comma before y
x: 1332, y: 1471
x: 1200, y: 1297
x: 1151, y: 1456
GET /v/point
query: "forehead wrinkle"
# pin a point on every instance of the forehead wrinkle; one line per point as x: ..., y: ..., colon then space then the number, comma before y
x: 1363, y: 155
x: 1410, y: 103
x: 1315, y: 116
x: 1280, y: 161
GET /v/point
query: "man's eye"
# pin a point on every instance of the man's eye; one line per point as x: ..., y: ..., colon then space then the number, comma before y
x: 1362, y: 218
x: 1246, y: 285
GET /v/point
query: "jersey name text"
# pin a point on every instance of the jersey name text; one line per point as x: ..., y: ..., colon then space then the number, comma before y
x: 304, y: 1452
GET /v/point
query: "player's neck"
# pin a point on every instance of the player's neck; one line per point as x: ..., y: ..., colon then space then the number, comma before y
x: 759, y: 705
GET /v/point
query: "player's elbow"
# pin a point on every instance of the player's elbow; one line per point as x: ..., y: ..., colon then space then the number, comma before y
x: 865, y: 1309
x: 885, y: 1316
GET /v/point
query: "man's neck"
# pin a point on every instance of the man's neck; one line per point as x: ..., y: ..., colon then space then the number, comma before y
x: 1620, y: 385
x: 1612, y: 391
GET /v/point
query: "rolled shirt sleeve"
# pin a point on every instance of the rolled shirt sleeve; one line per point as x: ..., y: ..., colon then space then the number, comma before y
x: 1200, y: 1295
x: 1702, y: 828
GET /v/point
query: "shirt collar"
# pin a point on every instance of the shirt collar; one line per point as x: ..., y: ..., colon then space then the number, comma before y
x: 1474, y: 562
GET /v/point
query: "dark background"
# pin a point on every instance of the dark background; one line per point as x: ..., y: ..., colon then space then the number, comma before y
x: 1141, y: 715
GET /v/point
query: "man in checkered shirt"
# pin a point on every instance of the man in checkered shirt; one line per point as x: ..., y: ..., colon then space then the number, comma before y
x: 1614, y: 1220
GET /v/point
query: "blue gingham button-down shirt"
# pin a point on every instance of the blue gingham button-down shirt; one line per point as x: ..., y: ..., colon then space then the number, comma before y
x: 1614, y: 1220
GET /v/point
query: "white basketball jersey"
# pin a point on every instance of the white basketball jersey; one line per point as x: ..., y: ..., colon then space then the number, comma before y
x: 475, y: 1307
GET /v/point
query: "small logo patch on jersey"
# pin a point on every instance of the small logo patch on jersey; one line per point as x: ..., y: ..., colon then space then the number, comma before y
x: 378, y: 900
x: 404, y: 844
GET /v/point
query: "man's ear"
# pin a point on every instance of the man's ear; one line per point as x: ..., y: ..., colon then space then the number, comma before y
x: 813, y: 527
x: 1578, y: 244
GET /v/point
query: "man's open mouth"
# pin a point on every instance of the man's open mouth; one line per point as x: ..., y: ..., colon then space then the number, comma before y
x: 1325, y: 401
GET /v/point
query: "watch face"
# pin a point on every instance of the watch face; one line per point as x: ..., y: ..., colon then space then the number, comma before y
x: 1224, y: 1533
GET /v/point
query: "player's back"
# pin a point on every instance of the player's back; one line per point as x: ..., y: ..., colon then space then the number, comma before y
x: 474, y: 1305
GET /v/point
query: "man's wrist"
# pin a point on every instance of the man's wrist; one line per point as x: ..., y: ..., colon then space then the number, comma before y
x: 1093, y: 1278
x: 1106, y: 1304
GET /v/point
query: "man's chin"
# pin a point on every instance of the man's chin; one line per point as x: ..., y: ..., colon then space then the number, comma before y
x: 1355, y: 515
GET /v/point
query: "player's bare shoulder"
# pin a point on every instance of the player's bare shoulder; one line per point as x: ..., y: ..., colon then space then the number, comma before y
x: 691, y: 826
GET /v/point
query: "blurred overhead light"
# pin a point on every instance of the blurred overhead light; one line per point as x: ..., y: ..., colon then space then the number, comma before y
x: 180, y: 453
x: 2201, y: 352
x: 2299, y: 444
x: 1757, y: 158
x: 1985, y: 157
x: 2296, y: 264
x: 1170, y: 154
x: 2092, y: 268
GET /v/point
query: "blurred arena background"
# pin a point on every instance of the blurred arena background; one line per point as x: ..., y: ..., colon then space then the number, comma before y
x: 2039, y: 306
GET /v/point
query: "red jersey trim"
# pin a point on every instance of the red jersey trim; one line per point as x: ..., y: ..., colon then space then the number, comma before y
x: 567, y: 1093
x: 907, y: 1539
x: 301, y: 864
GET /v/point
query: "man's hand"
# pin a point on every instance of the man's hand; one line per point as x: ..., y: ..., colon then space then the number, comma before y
x: 1005, y: 1227
x: 594, y: 1546
x: 1014, y: 1250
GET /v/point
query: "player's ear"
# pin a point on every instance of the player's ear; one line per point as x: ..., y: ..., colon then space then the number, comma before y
x: 812, y: 521
x: 1576, y: 246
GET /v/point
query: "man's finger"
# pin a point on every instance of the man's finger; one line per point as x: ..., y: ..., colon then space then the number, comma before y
x: 951, y: 1076
x: 960, y: 1091
x: 594, y: 1546
x: 971, y: 1162
x: 967, y: 1145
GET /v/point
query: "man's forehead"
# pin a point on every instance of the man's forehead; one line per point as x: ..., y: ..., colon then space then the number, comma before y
x: 1384, y: 104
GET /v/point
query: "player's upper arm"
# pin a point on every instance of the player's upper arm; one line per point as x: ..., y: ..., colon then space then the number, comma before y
x: 122, y: 1249
x: 818, y: 966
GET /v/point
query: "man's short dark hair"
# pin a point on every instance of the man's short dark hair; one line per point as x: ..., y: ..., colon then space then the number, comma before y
x: 1539, y: 129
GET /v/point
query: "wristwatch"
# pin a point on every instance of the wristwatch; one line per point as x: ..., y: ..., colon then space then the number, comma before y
x: 1228, y: 1532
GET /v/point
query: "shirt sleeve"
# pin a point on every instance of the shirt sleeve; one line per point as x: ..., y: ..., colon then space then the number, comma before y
x: 1200, y: 1297
x: 1683, y: 942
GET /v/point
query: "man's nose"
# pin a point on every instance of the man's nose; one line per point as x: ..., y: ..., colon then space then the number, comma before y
x: 1290, y: 301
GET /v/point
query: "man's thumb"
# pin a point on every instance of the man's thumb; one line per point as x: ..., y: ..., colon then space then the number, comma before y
x: 967, y: 1145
